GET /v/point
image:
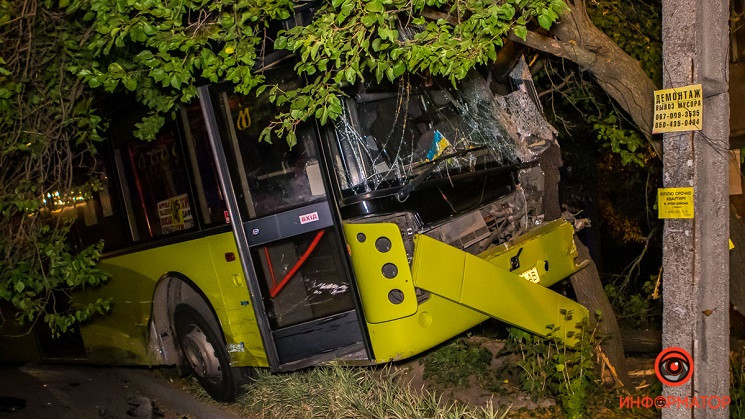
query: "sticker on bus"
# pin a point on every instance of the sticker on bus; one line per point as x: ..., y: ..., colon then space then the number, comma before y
x: 309, y: 218
x: 175, y: 214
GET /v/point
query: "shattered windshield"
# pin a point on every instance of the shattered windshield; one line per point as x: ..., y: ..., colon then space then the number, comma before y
x: 390, y: 133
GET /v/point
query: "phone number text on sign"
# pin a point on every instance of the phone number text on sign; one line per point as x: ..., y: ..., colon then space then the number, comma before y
x: 678, y: 109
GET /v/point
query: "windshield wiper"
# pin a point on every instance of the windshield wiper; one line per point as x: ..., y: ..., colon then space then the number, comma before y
x: 404, y: 193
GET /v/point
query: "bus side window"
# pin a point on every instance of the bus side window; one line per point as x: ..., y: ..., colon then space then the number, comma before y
x: 98, y: 215
x: 155, y: 185
x: 206, y: 181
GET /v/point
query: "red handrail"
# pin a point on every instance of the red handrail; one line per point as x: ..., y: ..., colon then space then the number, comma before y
x: 271, y: 268
x: 275, y: 290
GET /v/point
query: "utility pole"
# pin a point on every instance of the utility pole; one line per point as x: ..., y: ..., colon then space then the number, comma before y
x: 695, y: 37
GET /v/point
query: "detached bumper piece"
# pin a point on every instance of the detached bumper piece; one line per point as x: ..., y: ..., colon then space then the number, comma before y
x: 507, y: 282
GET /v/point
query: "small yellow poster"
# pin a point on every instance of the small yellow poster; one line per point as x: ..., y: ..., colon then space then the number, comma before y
x: 675, y: 202
x: 175, y: 214
x: 678, y: 109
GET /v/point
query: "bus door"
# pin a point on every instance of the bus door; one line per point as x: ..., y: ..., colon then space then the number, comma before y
x: 292, y: 248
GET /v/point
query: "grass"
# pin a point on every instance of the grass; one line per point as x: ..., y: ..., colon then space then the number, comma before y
x: 349, y: 392
x: 380, y: 392
x: 451, y: 364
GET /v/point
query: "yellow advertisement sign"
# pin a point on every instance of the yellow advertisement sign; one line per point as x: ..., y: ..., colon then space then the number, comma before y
x: 175, y: 214
x: 678, y: 109
x: 675, y: 202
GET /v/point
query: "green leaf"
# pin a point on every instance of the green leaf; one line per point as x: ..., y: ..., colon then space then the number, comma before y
x: 266, y: 135
x: 374, y: 6
x: 520, y: 31
x: 507, y: 11
x: 148, y: 29
x: 545, y: 21
x: 346, y: 9
x: 350, y: 75
x: 129, y: 83
x: 260, y: 89
x: 116, y: 69
x: 369, y: 20
x: 334, y: 111
x: 144, y: 55
x: 157, y: 74
x: 291, y: 139
x: 398, y: 69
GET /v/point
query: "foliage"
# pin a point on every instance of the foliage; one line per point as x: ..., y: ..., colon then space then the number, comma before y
x: 339, y: 392
x: 635, y: 310
x: 453, y: 363
x: 162, y: 50
x: 637, y: 28
x: 550, y: 367
x: 46, y: 132
x: 627, y: 143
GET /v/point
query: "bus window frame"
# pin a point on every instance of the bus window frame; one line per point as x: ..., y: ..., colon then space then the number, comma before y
x: 114, y: 154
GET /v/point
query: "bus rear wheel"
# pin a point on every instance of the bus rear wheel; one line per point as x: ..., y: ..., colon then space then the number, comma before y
x: 206, y: 354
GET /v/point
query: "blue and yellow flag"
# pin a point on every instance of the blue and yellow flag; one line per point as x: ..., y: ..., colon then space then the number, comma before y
x: 439, y: 144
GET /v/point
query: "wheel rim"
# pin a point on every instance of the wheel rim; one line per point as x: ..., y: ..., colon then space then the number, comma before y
x: 201, y: 355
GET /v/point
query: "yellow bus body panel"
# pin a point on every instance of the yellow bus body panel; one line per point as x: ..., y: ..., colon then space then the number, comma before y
x: 122, y: 335
x: 373, y: 285
x: 465, y: 289
x: 549, y: 250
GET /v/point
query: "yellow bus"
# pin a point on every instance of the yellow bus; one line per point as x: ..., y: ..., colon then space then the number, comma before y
x: 413, y: 218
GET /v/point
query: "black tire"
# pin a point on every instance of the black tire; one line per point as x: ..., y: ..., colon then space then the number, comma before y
x: 205, y: 354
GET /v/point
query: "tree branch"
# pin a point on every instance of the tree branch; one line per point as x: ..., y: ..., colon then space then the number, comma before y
x: 568, y: 50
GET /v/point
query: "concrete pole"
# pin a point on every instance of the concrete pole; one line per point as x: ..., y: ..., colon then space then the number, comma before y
x: 695, y: 37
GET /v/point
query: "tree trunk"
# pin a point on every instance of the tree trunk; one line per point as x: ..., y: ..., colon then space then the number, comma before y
x: 577, y: 39
x: 648, y: 341
x: 590, y: 293
x: 586, y: 283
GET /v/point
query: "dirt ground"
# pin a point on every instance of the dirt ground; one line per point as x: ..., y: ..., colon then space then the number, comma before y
x: 520, y: 403
x: 76, y: 392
